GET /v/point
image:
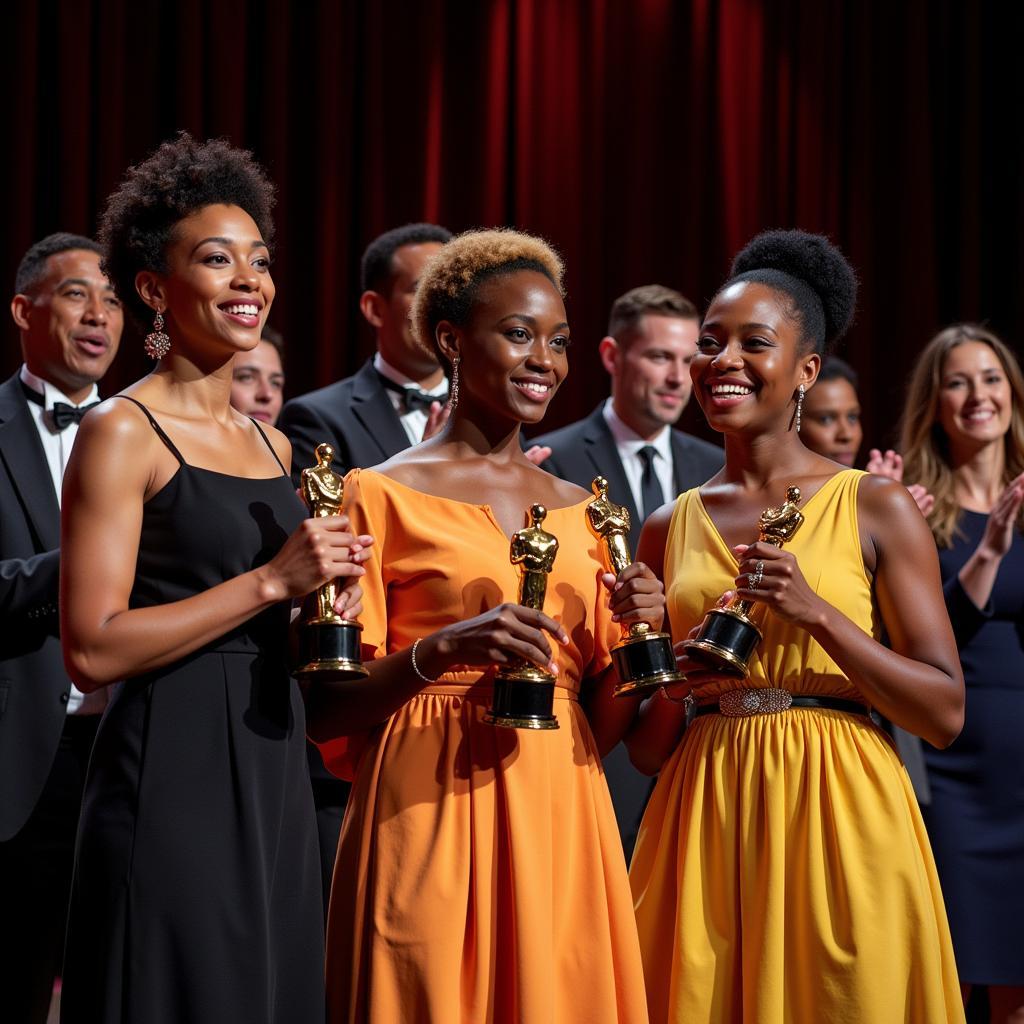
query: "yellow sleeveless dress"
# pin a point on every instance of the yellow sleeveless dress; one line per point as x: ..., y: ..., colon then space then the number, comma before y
x: 782, y: 873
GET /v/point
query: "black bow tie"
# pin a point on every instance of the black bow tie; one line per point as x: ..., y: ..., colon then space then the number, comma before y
x: 64, y: 415
x: 412, y: 398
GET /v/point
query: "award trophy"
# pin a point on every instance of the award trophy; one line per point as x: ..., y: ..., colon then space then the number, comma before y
x: 728, y: 636
x: 328, y: 644
x: 643, y: 659
x: 524, y: 694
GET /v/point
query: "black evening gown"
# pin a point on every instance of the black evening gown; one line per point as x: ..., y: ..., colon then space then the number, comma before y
x: 976, y: 817
x: 196, y: 896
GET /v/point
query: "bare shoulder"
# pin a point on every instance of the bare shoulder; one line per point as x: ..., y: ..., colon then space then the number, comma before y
x: 282, y: 446
x: 879, y: 496
x: 565, y: 492
x: 116, y: 424
x: 890, y: 516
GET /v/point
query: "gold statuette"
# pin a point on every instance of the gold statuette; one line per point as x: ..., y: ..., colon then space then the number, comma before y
x: 524, y: 694
x: 643, y: 659
x: 728, y: 636
x: 329, y: 644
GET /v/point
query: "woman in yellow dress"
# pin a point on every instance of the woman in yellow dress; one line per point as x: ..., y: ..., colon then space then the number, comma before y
x: 782, y: 872
x: 480, y: 875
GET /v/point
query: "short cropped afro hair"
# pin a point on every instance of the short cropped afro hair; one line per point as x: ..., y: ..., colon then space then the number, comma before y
x: 181, y: 177
x: 453, y: 275
x: 812, y: 272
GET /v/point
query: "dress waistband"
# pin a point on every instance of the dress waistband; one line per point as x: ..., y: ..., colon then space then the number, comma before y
x: 484, y: 690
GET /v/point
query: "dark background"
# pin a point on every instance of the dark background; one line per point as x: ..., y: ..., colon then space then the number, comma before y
x: 647, y: 139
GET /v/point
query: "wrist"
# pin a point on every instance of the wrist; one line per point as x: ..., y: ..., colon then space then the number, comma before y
x: 270, y: 587
x: 428, y: 658
x: 986, y: 556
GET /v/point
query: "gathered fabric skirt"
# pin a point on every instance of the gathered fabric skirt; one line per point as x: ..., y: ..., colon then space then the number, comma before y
x: 782, y: 875
x: 480, y: 876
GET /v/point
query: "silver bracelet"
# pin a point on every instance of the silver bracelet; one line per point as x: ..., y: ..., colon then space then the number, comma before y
x: 415, y: 666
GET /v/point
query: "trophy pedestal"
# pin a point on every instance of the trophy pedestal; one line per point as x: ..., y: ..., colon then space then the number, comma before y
x: 523, y: 699
x: 644, y: 662
x: 329, y: 651
x: 728, y: 638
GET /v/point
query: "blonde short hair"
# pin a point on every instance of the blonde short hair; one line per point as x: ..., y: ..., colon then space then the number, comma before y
x: 448, y: 284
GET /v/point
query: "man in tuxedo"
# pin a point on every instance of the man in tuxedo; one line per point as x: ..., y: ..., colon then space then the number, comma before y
x: 70, y: 325
x: 398, y: 396
x: 629, y: 439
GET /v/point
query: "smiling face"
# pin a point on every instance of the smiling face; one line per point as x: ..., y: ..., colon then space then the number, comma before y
x: 975, y: 399
x: 218, y: 289
x: 650, y: 371
x: 257, y: 383
x: 831, y: 420
x: 750, y: 360
x: 70, y: 323
x: 513, y: 348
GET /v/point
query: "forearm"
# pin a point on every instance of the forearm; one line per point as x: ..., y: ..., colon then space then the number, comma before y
x: 913, y: 694
x: 609, y: 716
x: 978, y: 575
x: 139, y: 640
x: 351, y: 706
x: 656, y: 732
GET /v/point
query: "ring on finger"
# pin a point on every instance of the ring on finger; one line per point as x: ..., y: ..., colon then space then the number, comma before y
x: 755, y: 578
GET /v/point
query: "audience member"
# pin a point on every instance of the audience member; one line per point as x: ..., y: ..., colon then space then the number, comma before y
x: 257, y: 379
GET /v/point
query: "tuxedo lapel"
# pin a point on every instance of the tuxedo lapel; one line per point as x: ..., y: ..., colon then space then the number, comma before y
x: 23, y: 456
x: 372, y: 407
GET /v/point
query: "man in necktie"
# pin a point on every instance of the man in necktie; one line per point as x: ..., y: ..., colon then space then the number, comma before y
x: 629, y: 440
x: 69, y: 321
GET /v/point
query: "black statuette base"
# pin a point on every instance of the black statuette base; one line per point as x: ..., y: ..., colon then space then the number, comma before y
x: 726, y: 642
x: 644, y: 663
x: 330, y: 651
x: 523, y: 699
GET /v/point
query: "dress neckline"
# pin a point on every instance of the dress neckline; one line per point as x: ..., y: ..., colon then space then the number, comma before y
x: 803, y: 507
x: 483, y: 507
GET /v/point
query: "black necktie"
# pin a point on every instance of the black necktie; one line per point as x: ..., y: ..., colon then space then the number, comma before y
x: 651, y: 494
x: 412, y: 398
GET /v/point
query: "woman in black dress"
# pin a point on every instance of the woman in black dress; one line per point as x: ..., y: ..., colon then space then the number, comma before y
x: 196, y: 895
x: 963, y: 440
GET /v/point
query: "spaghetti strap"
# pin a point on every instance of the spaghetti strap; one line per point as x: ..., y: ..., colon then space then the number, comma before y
x: 269, y: 445
x: 156, y: 426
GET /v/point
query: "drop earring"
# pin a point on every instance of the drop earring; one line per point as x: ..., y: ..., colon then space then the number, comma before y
x: 453, y: 388
x: 799, y: 405
x: 157, y: 343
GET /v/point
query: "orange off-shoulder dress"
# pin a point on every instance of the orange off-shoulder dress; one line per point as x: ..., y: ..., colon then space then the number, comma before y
x: 479, y: 875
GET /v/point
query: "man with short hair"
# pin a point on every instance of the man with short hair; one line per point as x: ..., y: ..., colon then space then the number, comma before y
x: 398, y: 396
x: 70, y: 325
x: 629, y: 439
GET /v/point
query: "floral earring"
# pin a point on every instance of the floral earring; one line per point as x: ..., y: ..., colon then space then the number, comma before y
x: 799, y: 405
x: 157, y: 343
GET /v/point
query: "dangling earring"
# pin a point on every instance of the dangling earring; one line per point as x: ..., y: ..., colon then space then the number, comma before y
x: 799, y: 405
x: 453, y: 388
x: 157, y: 343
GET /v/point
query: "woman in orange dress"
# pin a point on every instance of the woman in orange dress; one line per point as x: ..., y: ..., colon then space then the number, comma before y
x: 480, y: 875
x: 782, y: 872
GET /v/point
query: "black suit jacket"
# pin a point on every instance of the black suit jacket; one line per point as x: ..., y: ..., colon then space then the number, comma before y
x: 354, y: 415
x: 33, y: 684
x: 586, y: 449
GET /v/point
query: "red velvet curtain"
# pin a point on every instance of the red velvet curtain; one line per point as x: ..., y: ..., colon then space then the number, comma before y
x: 648, y: 139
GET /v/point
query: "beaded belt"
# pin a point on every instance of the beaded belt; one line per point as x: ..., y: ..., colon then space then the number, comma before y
x: 770, y: 701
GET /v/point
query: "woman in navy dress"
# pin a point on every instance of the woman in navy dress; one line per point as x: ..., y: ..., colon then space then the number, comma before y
x: 963, y: 440
x: 196, y: 894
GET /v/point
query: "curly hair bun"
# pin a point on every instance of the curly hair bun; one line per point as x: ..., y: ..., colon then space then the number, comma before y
x: 812, y: 259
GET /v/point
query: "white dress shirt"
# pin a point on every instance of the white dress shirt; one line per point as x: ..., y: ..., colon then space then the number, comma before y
x: 57, y: 445
x: 414, y: 422
x: 628, y: 443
